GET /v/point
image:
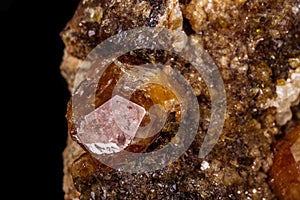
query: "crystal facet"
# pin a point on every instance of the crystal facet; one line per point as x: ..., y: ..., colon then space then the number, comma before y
x: 285, y: 171
x: 295, y: 149
x: 112, y: 126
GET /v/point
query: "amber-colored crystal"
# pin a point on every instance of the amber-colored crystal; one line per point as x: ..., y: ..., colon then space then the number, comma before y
x: 285, y: 172
x: 155, y: 97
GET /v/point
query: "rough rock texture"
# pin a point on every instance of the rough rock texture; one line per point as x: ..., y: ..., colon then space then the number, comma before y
x: 256, y: 46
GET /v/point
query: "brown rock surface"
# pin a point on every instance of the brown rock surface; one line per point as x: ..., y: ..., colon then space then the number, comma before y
x: 255, y: 45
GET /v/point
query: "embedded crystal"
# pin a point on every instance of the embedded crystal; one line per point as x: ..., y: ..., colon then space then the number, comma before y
x: 295, y: 149
x: 285, y: 172
x: 112, y: 126
x: 255, y: 45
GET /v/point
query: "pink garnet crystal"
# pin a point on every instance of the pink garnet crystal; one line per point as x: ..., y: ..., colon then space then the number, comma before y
x: 111, y: 127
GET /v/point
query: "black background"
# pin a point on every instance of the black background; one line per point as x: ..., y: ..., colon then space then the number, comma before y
x: 34, y: 97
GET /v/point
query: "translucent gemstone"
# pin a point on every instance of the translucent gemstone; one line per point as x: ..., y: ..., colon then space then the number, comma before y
x: 285, y: 171
x: 111, y: 127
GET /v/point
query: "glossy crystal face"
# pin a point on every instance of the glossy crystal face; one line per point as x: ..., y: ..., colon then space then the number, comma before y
x: 295, y: 149
x: 112, y: 126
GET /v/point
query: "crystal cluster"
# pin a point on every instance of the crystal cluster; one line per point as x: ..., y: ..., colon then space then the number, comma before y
x: 288, y: 95
x: 255, y: 45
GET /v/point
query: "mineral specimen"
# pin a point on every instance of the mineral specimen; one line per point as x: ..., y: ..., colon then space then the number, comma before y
x: 256, y: 46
